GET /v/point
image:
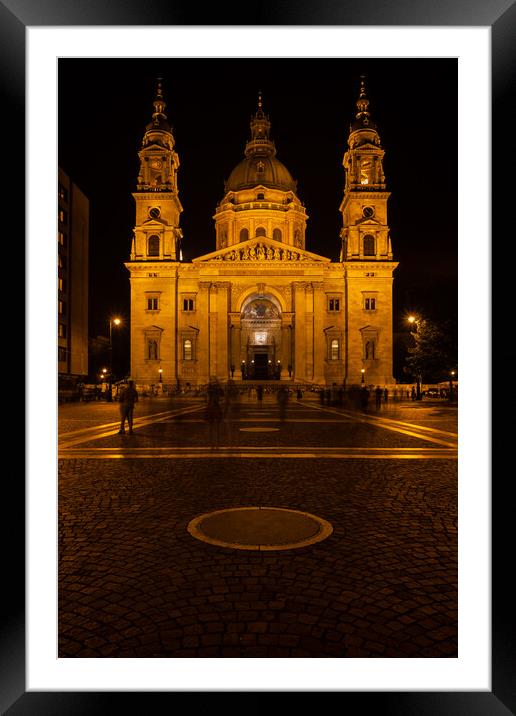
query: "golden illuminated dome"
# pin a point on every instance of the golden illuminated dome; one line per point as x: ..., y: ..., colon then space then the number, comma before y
x: 260, y: 170
x: 260, y: 167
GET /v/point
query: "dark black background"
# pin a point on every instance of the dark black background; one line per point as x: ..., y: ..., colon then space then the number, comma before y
x: 104, y: 105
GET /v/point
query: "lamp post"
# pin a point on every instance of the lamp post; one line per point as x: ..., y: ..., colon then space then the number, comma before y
x: 116, y: 322
x: 161, y: 375
x: 362, y: 370
x: 451, y: 397
x: 413, y: 320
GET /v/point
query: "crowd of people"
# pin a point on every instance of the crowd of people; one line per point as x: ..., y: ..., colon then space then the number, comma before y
x: 223, y: 401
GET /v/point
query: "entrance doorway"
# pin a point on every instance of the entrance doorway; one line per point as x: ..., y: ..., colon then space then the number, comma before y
x: 261, y: 366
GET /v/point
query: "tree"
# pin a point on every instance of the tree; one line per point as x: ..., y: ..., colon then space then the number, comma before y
x: 433, y: 350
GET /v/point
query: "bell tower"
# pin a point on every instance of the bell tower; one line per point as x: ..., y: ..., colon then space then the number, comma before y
x: 157, y: 236
x: 365, y: 230
x: 366, y: 254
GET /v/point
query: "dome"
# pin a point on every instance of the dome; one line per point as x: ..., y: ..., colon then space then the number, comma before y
x: 159, y: 124
x: 260, y: 166
x: 260, y: 170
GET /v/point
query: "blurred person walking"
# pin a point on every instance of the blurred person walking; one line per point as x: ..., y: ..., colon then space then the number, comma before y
x: 282, y: 398
x: 128, y: 396
x: 213, y: 415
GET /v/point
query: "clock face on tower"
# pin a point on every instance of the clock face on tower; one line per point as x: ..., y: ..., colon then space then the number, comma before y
x: 156, y: 164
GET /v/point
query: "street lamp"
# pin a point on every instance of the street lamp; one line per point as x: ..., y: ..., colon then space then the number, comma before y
x: 413, y: 320
x: 112, y: 322
x: 161, y: 375
x: 362, y: 370
x: 451, y: 397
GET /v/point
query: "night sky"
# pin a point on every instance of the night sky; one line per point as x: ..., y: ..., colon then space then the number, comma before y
x: 104, y: 105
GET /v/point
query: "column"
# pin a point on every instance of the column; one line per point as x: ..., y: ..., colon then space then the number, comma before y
x: 222, y: 355
x: 212, y: 331
x: 299, y: 358
x: 235, y: 332
x: 286, y: 344
x: 309, y: 332
x: 203, y: 343
x: 319, y: 339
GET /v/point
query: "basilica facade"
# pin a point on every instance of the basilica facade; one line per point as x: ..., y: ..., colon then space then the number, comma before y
x: 260, y: 306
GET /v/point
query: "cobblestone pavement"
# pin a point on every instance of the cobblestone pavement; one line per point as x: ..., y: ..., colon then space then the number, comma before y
x: 134, y: 583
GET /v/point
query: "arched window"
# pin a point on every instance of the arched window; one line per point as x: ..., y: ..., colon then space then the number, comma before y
x: 334, y: 349
x: 153, y: 245
x: 244, y: 234
x: 260, y: 197
x: 276, y: 234
x: 260, y: 231
x: 187, y: 349
x: 369, y: 245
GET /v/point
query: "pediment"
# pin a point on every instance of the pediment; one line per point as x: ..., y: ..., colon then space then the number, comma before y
x: 151, y: 146
x: 369, y: 221
x: 154, y: 222
x: 366, y: 145
x: 261, y: 250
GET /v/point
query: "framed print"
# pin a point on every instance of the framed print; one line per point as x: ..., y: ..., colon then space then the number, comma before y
x: 47, y: 54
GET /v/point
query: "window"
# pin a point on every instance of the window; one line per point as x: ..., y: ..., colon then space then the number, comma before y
x: 153, y: 245
x: 61, y: 237
x: 369, y: 245
x: 188, y: 304
x: 334, y: 304
x: 61, y: 307
x: 260, y: 231
x: 63, y: 216
x: 187, y: 349
x: 260, y: 197
x: 334, y: 349
x: 61, y: 261
x: 244, y: 234
x: 61, y: 331
x: 63, y: 193
x: 370, y: 304
x: 276, y: 235
x: 152, y: 304
x: 61, y: 284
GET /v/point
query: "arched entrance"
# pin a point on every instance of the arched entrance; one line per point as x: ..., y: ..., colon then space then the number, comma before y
x: 261, y: 338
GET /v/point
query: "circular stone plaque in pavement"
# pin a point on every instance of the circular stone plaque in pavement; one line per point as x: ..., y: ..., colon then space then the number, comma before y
x: 259, y: 528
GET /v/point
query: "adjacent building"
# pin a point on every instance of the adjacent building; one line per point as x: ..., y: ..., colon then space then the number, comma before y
x: 261, y: 306
x: 72, y: 279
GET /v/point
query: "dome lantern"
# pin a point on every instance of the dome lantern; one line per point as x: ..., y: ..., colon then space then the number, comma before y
x: 260, y: 167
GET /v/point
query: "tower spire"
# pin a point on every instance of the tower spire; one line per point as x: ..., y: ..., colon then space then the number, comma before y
x: 159, y: 104
x: 260, y: 104
x: 363, y: 116
x: 260, y: 143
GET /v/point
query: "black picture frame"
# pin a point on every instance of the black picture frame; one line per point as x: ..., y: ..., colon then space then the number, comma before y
x: 500, y: 16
